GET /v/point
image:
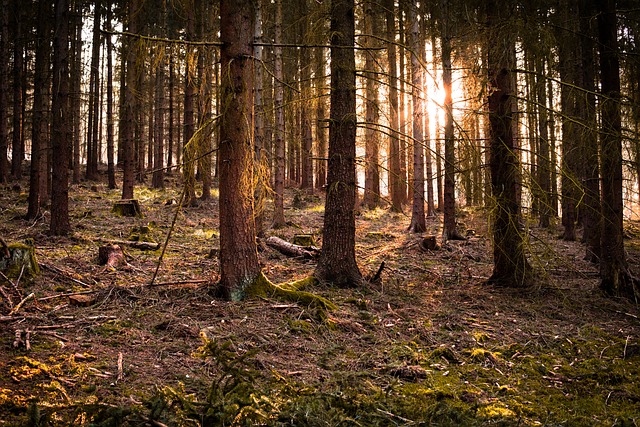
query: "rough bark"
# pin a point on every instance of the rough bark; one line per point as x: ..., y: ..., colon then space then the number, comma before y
x: 4, y: 85
x: 17, y: 146
x: 614, y: 273
x: 60, y: 132
x: 129, y: 102
x: 40, y: 128
x: 395, y: 184
x: 510, y: 265
x: 337, y: 263
x: 189, y: 149
x: 418, y: 220
x: 111, y: 169
x: 372, y: 114
x: 278, y: 98
x: 238, y: 253
x: 91, y: 172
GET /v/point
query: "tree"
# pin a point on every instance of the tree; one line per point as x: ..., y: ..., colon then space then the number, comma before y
x: 395, y: 184
x: 418, y: 220
x: 129, y: 104
x: 510, y: 265
x: 372, y: 115
x: 190, y: 147
x: 450, y: 230
x: 17, y: 150
x: 4, y: 85
x: 94, y: 97
x: 239, y: 266
x: 278, y: 98
x: 337, y: 263
x: 40, y: 126
x: 60, y: 130
x: 111, y: 169
x: 615, y: 279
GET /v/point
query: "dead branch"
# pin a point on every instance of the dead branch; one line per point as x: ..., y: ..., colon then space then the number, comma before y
x: 64, y: 274
x: 145, y: 246
x: 289, y: 249
x: 15, y: 309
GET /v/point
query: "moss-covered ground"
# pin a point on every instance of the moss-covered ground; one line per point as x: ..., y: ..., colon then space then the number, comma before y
x: 429, y: 345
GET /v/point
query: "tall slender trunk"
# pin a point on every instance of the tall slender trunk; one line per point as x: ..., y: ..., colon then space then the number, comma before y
x: 129, y: 104
x: 510, y: 265
x: 189, y: 148
x: 17, y: 153
x: 239, y: 266
x: 372, y: 113
x: 321, y: 126
x: 395, y: 187
x: 39, y: 138
x: 278, y: 213
x: 157, y: 178
x: 111, y: 169
x: 262, y: 175
x: 4, y: 86
x: 418, y: 220
x: 60, y: 132
x: 94, y: 97
x: 614, y: 273
x: 337, y: 263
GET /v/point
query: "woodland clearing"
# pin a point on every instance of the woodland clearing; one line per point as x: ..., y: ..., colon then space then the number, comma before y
x: 429, y: 345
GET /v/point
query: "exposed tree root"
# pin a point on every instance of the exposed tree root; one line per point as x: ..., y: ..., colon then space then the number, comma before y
x: 263, y: 287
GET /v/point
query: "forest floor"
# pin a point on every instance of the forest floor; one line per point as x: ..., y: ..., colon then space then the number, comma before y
x: 429, y: 345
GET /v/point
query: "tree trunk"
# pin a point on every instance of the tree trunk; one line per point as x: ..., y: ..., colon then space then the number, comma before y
x: 418, y: 220
x: 40, y: 127
x: 76, y: 83
x: 321, y: 126
x: 171, y: 126
x: 614, y: 274
x: 128, y: 110
x: 262, y: 169
x: 111, y: 169
x: 60, y: 132
x: 94, y: 97
x: 372, y: 139
x: 544, y: 161
x: 589, y: 136
x: 189, y: 148
x: 278, y: 214
x: 337, y: 263
x: 450, y: 230
x: 305, y: 108
x: 17, y: 151
x: 395, y: 185
x: 510, y: 265
x: 238, y: 252
x: 157, y: 178
x: 4, y: 86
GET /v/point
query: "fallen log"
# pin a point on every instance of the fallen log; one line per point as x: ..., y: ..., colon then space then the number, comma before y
x: 289, y: 249
x: 145, y: 246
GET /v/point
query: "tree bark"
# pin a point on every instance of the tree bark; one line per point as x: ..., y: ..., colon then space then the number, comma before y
x: 395, y: 185
x: 111, y: 168
x: 129, y: 102
x: 17, y: 150
x: 510, y: 265
x: 337, y: 263
x: 418, y: 220
x: 94, y: 97
x: 40, y: 127
x: 372, y: 139
x: 189, y: 148
x: 238, y: 252
x: 60, y: 132
x: 4, y: 86
x: 614, y: 274
x: 278, y: 214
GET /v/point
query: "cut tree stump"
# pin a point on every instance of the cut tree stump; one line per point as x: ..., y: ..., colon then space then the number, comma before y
x: 429, y: 243
x: 305, y: 240
x: 111, y: 256
x: 289, y: 249
x: 18, y: 259
x: 127, y: 207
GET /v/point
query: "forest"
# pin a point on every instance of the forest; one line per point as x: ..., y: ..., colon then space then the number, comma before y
x: 320, y: 213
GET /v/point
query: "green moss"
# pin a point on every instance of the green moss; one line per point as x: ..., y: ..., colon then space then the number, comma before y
x: 22, y: 260
x: 263, y: 287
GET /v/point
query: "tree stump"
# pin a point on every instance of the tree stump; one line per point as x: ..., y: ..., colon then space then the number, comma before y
x: 429, y: 243
x: 111, y: 256
x: 304, y: 240
x: 127, y: 207
x: 18, y: 259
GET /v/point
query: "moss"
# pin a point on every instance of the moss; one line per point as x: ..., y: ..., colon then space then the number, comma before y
x: 263, y: 287
x: 22, y: 260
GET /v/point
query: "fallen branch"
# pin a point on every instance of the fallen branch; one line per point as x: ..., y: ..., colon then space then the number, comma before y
x: 64, y: 274
x: 289, y: 249
x: 15, y: 309
x: 145, y: 246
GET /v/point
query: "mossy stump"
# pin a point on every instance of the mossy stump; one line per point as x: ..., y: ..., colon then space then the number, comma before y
x: 304, y: 240
x: 263, y: 287
x: 19, y: 260
x: 127, y: 207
